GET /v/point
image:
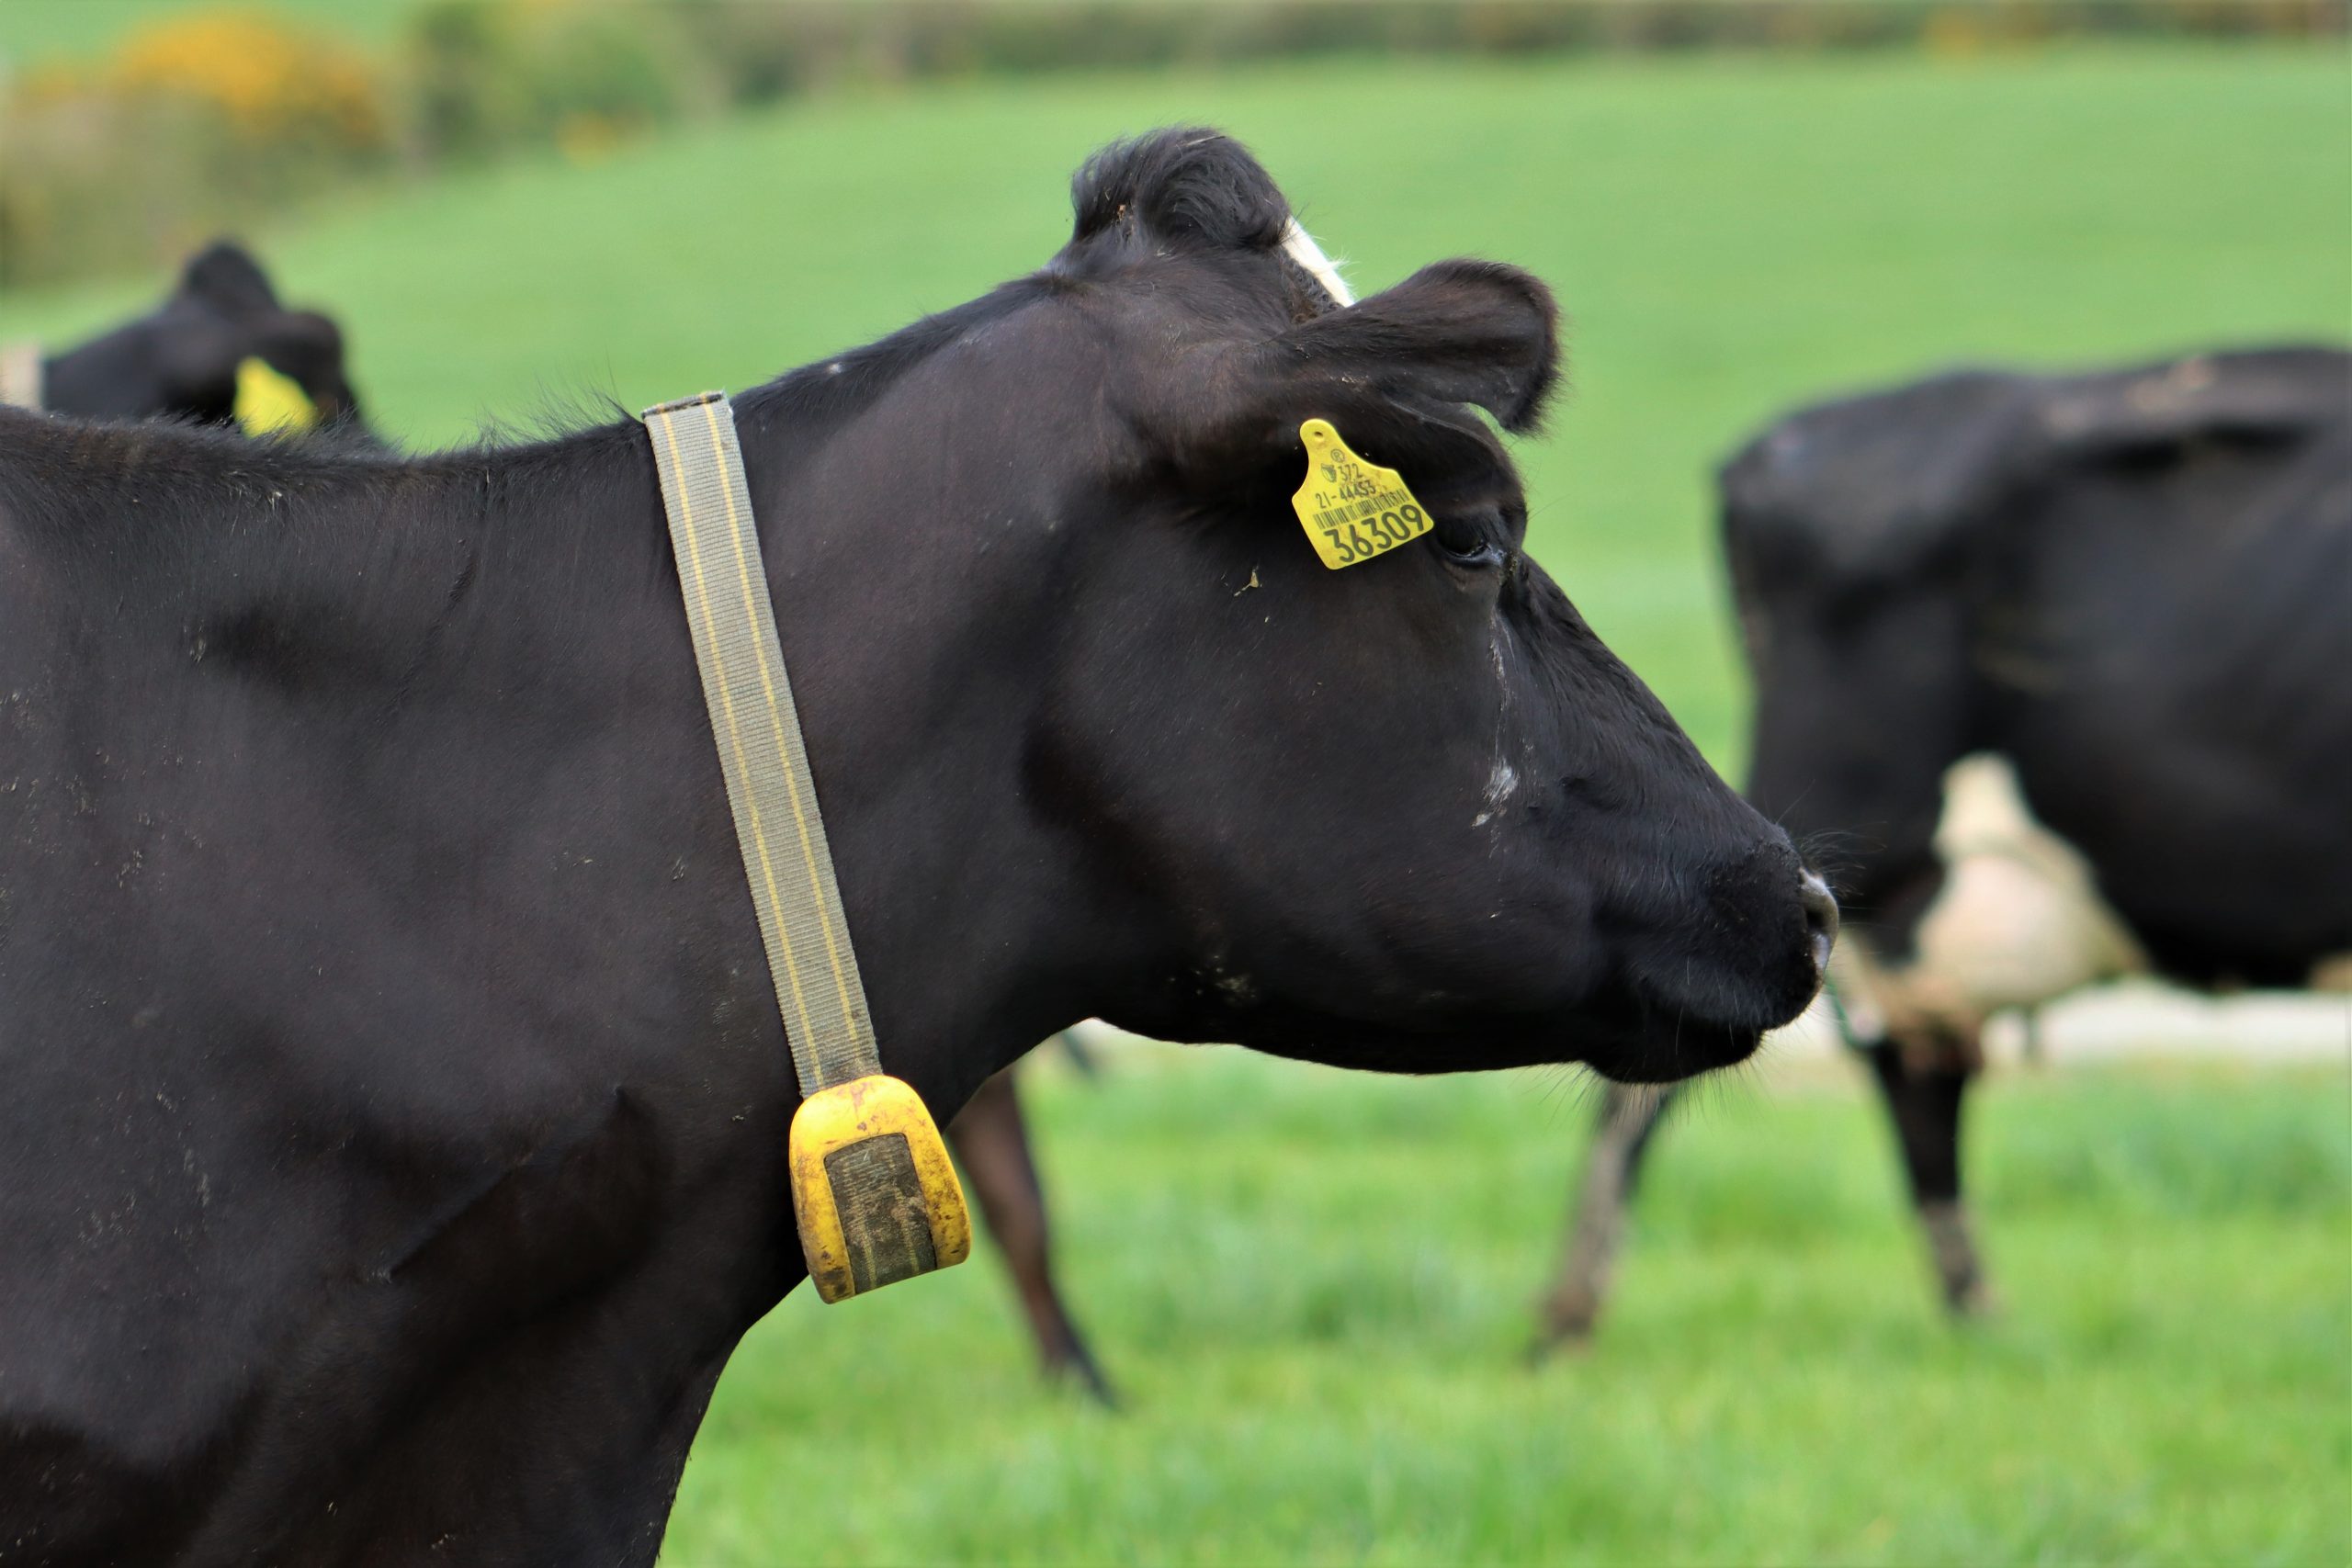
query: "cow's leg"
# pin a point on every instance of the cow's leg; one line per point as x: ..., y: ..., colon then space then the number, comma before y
x: 1629, y: 1114
x: 1924, y: 1094
x: 991, y: 1140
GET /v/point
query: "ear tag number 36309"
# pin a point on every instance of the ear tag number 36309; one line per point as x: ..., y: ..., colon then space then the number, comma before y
x: 1352, y: 510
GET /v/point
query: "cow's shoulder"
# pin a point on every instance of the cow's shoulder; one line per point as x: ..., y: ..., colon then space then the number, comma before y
x: 1865, y: 484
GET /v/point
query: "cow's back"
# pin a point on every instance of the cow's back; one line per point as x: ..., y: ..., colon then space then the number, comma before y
x: 2165, y: 642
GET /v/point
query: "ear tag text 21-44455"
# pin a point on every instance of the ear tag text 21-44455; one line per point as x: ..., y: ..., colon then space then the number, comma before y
x: 1352, y: 510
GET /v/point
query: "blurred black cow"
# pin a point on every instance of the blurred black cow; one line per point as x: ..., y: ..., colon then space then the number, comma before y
x: 185, y: 359
x: 2132, y: 587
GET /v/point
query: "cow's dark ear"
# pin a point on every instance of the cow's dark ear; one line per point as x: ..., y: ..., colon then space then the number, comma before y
x: 308, y: 347
x: 224, y: 276
x: 1401, y: 374
x: 1460, y: 332
x: 2259, y: 394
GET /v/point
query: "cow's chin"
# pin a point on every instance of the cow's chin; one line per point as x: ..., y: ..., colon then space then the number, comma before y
x: 1626, y: 1039
x: 1632, y: 1040
x: 1675, y: 1049
x: 1665, y: 1039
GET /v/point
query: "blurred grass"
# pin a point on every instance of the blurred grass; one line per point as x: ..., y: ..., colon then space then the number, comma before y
x: 1315, y: 1289
x: 1728, y: 235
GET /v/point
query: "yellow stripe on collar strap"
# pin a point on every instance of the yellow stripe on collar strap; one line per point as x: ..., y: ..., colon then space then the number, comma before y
x: 875, y: 1197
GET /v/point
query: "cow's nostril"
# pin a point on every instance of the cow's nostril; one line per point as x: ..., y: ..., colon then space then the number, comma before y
x: 1820, y: 920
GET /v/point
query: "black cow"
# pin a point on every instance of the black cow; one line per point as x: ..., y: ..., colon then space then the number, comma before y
x: 2132, y: 586
x: 396, y: 1098
x: 183, y: 357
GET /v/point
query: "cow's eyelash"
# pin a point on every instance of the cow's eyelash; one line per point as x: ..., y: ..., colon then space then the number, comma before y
x: 1475, y: 541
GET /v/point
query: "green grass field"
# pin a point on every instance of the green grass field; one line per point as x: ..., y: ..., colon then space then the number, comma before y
x: 1315, y: 1289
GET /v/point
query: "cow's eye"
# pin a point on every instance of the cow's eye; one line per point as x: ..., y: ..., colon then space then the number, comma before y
x: 1466, y: 546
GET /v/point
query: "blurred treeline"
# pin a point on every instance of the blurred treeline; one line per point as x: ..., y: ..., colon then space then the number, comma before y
x: 210, y: 118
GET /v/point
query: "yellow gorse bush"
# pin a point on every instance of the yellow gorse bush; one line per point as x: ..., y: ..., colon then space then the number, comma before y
x: 268, y: 80
x: 198, y: 124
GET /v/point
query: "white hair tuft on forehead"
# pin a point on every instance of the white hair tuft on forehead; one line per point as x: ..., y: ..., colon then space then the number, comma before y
x: 1300, y: 246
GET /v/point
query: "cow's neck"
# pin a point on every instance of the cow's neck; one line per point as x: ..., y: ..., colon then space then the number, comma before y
x: 429, y: 802
x: 501, y: 636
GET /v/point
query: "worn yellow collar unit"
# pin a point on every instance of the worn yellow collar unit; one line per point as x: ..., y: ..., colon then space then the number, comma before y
x: 872, y: 1187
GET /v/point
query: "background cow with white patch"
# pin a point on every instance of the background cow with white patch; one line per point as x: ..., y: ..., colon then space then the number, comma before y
x: 2051, y: 673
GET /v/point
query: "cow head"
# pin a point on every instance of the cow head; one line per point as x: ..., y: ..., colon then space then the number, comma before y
x: 1411, y: 814
x: 188, y: 357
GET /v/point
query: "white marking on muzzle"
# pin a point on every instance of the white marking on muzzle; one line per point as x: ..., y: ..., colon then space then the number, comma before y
x: 1300, y: 246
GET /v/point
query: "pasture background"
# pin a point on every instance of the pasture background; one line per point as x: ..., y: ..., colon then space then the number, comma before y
x: 1313, y: 1289
x: 1726, y: 234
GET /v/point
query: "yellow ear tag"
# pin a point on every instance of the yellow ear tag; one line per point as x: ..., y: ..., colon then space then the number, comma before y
x: 1352, y: 510
x: 269, y: 402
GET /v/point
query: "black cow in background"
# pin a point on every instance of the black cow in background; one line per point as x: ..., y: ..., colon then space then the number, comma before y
x: 2134, y: 587
x: 183, y: 358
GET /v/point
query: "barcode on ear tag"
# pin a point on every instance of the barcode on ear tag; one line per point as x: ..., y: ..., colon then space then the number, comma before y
x: 1352, y: 510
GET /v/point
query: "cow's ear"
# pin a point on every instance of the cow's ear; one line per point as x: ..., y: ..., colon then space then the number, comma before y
x: 2263, y: 394
x: 308, y: 347
x: 224, y: 276
x: 1460, y: 332
x: 1400, y: 374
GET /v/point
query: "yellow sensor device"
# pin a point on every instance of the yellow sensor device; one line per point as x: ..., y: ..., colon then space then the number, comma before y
x: 872, y: 1187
